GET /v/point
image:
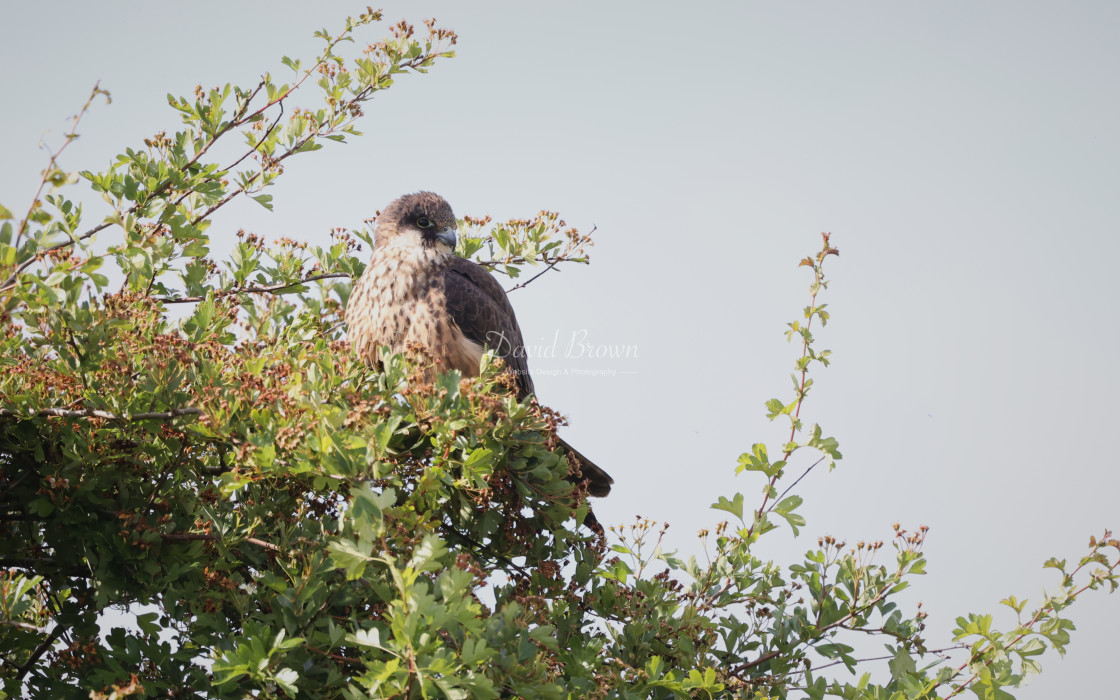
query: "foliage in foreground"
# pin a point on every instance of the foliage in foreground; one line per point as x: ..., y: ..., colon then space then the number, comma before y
x: 195, y: 438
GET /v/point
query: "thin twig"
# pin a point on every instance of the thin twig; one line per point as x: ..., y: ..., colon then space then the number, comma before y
x: 757, y: 662
x: 936, y: 652
x: 783, y: 493
x: 817, y: 280
x: 231, y: 124
x: 219, y: 204
x: 39, y: 651
x: 253, y: 150
x: 12, y: 483
x: 1027, y: 629
x: 522, y: 260
x: 93, y: 413
x: 203, y: 537
x: 238, y: 120
x: 252, y: 290
x: 331, y: 655
x: 551, y: 266
x: 52, y: 163
x: 21, y: 625
x: 820, y: 631
x: 8, y: 283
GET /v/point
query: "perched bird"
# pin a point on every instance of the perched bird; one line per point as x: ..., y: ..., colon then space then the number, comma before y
x: 416, y: 290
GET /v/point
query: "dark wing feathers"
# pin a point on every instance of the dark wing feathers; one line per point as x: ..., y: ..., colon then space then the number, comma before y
x: 479, y: 306
x: 481, y: 309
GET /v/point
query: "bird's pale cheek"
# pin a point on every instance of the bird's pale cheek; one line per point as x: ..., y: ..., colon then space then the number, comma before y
x: 409, y: 240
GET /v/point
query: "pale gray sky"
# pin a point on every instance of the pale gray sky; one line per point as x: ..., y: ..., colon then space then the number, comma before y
x: 963, y: 155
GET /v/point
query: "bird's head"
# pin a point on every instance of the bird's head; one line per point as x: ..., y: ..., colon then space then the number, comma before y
x: 423, y: 219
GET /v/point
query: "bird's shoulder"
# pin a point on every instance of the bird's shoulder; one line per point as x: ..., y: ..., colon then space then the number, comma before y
x: 462, y: 276
x: 482, y: 311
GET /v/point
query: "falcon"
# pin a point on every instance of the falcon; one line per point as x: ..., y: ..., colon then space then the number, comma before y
x: 416, y: 290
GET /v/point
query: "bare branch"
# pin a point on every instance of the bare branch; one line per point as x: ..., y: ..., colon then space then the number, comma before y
x: 259, y: 141
x: 783, y: 493
x: 39, y: 651
x: 521, y: 260
x: 93, y: 413
x: 551, y: 266
x: 53, y: 162
x: 204, y: 537
x: 8, y: 283
x: 942, y: 653
x: 21, y: 625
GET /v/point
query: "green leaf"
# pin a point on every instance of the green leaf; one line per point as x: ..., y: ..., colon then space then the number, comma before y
x: 351, y: 556
x: 147, y: 623
x: 786, y: 510
x: 427, y: 555
x: 902, y: 664
x: 735, y: 506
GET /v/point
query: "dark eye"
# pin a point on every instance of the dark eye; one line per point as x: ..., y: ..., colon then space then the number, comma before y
x: 424, y: 222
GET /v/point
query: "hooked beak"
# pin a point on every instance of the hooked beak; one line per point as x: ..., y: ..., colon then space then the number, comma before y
x: 448, y: 236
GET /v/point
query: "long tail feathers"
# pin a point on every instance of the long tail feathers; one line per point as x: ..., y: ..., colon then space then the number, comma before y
x: 598, y: 481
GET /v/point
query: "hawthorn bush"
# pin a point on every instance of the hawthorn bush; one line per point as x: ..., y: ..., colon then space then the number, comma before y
x: 188, y: 442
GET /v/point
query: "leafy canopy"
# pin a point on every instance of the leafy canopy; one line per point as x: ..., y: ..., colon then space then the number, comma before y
x: 188, y: 441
